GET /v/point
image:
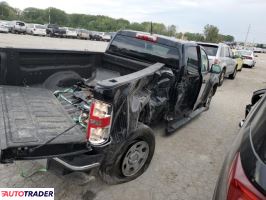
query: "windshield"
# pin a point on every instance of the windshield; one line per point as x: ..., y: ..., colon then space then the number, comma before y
x: 210, y: 50
x: 144, y: 50
x: 40, y: 26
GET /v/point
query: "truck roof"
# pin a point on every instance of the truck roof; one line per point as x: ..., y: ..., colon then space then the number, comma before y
x: 166, y: 40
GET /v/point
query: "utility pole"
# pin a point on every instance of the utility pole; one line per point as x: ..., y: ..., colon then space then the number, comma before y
x: 247, y: 35
x: 151, y: 28
x: 49, y: 16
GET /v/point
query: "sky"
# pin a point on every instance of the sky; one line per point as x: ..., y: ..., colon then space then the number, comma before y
x: 230, y: 16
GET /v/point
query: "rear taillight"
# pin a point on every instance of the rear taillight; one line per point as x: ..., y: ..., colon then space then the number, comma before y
x: 216, y: 61
x: 240, y: 188
x: 150, y: 38
x: 99, y: 123
x: 247, y: 57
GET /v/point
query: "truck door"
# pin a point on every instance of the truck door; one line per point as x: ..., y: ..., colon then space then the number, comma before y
x: 189, y: 86
x: 205, y: 77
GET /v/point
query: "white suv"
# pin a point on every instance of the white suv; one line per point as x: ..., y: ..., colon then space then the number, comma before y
x: 222, y: 55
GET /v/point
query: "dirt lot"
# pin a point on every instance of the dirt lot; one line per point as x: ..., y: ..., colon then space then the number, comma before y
x: 185, y: 165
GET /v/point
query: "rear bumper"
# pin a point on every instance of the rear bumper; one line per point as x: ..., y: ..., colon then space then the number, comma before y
x: 79, y: 163
x: 249, y: 62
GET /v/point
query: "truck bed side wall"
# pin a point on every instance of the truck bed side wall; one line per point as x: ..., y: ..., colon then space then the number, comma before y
x: 34, y: 66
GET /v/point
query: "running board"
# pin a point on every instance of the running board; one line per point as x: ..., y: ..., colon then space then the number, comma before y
x: 174, y: 125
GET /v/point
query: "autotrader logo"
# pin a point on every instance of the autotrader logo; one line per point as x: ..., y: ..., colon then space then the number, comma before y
x: 27, y: 193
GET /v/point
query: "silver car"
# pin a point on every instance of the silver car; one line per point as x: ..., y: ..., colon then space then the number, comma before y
x: 17, y: 27
x: 221, y: 54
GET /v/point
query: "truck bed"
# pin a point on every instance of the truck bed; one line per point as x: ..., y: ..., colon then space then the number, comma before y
x: 31, y: 116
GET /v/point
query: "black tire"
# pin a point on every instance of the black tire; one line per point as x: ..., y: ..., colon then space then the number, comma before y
x: 233, y: 75
x: 221, y: 77
x: 111, y: 171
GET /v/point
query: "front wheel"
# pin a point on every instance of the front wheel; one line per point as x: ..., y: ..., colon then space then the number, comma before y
x: 130, y: 160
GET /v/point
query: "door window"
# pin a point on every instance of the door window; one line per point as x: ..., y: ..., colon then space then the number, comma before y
x: 204, y: 61
x: 226, y: 52
x: 192, y: 59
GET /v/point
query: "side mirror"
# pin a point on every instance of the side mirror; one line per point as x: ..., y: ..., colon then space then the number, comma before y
x: 216, y: 69
x: 236, y: 56
x: 256, y: 55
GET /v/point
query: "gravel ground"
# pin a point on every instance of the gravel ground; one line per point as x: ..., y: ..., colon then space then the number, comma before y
x: 185, y: 165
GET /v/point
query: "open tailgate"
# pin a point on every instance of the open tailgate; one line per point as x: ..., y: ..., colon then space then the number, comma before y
x: 29, y: 117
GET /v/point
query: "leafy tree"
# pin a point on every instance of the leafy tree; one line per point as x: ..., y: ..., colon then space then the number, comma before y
x: 211, y: 33
x: 227, y: 38
x: 194, y: 36
x: 7, y: 12
x: 104, y: 23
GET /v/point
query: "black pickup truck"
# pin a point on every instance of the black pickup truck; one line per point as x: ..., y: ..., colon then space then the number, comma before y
x: 53, y: 30
x: 82, y: 110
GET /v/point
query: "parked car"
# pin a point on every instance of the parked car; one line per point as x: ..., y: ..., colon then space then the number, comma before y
x: 248, y: 58
x: 17, y: 27
x: 53, y: 30
x: 257, y: 50
x: 244, y: 168
x: 3, y: 28
x: 83, y: 34
x: 238, y: 58
x: 106, y: 37
x: 94, y: 109
x: 96, y: 36
x: 221, y: 54
x: 36, y: 29
x: 70, y: 32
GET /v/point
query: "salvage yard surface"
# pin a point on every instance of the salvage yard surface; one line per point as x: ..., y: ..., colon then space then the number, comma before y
x: 185, y: 165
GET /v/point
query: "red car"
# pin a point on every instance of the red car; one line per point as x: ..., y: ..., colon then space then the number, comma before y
x: 243, y: 175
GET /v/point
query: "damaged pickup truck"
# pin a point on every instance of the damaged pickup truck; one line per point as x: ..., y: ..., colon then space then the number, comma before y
x: 82, y: 110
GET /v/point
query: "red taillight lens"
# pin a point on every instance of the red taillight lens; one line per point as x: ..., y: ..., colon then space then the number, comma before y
x: 149, y: 38
x: 247, y: 57
x: 99, y: 123
x: 240, y: 187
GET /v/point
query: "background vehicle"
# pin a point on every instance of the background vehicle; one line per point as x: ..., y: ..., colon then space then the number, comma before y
x: 36, y: 29
x: 243, y: 172
x: 70, y: 32
x: 3, y: 28
x: 17, y: 27
x: 238, y: 58
x: 222, y: 55
x: 106, y: 37
x: 96, y: 36
x: 248, y: 58
x: 113, y: 97
x: 83, y: 34
x: 54, y: 30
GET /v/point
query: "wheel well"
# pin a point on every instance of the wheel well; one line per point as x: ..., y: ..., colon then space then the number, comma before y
x: 224, y: 68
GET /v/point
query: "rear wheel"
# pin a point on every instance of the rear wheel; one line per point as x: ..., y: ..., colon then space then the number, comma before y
x: 130, y: 160
x: 233, y: 75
